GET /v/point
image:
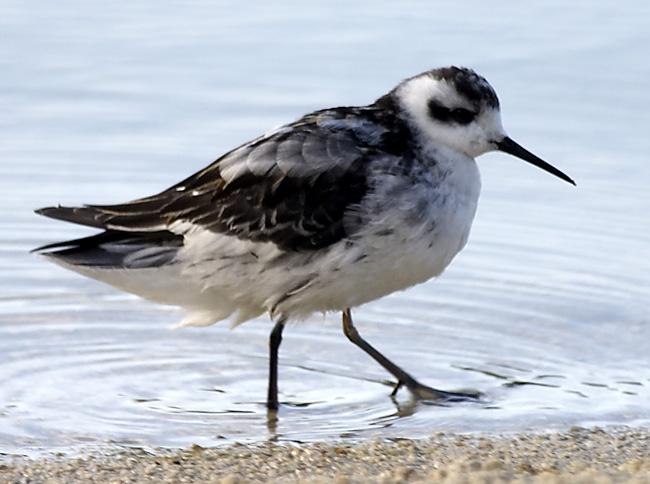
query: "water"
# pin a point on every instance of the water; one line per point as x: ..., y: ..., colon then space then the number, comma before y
x: 546, y: 310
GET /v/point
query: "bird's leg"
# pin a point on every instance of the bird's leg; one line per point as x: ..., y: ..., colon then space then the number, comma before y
x: 398, y: 385
x: 274, y: 344
x: 419, y: 391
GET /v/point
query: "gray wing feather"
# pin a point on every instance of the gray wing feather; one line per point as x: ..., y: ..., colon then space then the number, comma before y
x: 292, y: 186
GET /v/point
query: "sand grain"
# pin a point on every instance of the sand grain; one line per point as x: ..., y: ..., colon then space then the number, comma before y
x: 577, y: 456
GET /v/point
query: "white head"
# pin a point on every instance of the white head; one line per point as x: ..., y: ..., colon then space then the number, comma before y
x: 457, y: 108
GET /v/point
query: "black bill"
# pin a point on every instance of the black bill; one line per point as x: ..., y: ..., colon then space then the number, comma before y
x: 508, y: 146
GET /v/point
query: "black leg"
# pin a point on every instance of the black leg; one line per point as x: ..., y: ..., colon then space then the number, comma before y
x: 274, y: 343
x: 421, y: 392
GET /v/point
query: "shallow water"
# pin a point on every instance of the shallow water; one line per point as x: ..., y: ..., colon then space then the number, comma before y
x: 546, y: 311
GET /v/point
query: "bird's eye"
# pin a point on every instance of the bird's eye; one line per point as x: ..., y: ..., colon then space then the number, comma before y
x: 458, y: 115
x: 462, y: 116
x: 439, y: 112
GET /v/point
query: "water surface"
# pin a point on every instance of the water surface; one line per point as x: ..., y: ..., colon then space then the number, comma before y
x: 545, y: 311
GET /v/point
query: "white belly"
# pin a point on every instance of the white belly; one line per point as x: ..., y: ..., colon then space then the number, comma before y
x: 410, y: 231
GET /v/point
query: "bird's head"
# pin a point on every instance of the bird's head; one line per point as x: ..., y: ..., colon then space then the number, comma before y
x: 456, y: 108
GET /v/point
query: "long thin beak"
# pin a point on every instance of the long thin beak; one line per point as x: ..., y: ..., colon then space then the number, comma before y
x: 508, y: 146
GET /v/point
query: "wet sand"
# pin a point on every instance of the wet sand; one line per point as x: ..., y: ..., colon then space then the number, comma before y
x: 576, y: 456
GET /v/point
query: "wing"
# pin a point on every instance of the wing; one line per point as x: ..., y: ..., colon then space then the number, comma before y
x: 291, y: 187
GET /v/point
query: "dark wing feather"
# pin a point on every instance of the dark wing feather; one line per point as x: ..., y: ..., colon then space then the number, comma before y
x: 291, y: 187
x: 87, y: 216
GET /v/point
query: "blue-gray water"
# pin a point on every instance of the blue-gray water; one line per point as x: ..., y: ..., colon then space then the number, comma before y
x: 105, y: 103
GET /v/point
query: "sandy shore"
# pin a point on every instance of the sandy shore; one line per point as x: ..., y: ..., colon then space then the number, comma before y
x: 577, y: 456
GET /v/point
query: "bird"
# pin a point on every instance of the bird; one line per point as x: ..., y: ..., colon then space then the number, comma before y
x: 336, y: 209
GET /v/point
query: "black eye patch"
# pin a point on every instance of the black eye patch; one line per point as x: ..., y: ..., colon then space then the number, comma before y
x: 446, y: 115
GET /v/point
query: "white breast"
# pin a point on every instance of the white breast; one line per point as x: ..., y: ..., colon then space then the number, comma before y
x: 412, y: 227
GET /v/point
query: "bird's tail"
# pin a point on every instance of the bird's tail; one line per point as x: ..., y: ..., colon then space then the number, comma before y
x: 113, y: 249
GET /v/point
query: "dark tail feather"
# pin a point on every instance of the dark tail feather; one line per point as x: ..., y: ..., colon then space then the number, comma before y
x: 115, y: 249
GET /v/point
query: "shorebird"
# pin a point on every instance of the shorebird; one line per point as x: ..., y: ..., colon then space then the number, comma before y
x: 338, y: 208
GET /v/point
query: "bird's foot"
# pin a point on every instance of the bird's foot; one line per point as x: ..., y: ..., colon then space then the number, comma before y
x: 423, y: 392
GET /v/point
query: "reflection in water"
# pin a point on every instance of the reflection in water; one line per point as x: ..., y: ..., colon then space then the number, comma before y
x: 146, y: 385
